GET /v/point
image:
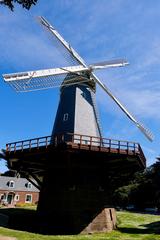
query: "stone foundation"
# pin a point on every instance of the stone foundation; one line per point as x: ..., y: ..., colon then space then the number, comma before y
x: 105, y: 221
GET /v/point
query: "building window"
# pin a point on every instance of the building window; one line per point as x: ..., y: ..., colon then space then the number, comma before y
x: 11, y: 184
x: 28, y: 198
x: 29, y: 185
x: 16, y: 198
x: 3, y: 197
x: 65, y: 117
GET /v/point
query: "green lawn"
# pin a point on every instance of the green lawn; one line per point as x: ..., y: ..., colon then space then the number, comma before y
x: 131, y: 226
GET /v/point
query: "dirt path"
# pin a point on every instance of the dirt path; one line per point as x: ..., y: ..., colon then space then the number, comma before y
x: 7, y: 238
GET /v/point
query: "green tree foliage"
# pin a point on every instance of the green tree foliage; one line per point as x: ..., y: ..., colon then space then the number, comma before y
x: 122, y: 195
x: 143, y: 191
x: 9, y: 173
x: 25, y: 3
x: 156, y: 181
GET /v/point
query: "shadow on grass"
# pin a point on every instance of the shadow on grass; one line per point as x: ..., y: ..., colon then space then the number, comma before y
x: 28, y: 220
x: 31, y: 221
x: 22, y: 219
x: 150, y: 228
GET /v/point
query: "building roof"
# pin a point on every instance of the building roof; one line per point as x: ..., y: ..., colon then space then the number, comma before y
x: 19, y: 184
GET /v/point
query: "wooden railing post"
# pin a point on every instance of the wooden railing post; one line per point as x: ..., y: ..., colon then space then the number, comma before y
x: 29, y: 144
x: 7, y: 149
x: 101, y: 143
x: 80, y: 140
x: 91, y: 141
x: 37, y: 143
x: 22, y: 146
x: 46, y: 142
x: 127, y: 147
x: 110, y: 144
x: 119, y: 146
x: 72, y: 137
x: 134, y: 146
x: 15, y: 147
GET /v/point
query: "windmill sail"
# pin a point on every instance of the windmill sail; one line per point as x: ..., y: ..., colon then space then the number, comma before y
x: 143, y: 129
x: 44, y: 79
x: 109, y: 64
x: 36, y: 80
x: 112, y: 63
x: 50, y: 78
x: 64, y: 48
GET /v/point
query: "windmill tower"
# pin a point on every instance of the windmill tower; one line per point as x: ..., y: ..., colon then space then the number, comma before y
x: 73, y: 165
x: 77, y: 111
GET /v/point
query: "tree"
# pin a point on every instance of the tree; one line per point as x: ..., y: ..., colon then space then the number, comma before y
x: 122, y: 195
x: 9, y: 173
x: 143, y: 191
x: 156, y: 181
x: 25, y: 3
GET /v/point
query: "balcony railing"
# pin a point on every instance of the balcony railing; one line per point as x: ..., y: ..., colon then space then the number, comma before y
x: 81, y: 140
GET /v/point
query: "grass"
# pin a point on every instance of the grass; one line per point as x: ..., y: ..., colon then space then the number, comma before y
x: 131, y: 226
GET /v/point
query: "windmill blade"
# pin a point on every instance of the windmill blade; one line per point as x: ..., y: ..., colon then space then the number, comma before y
x: 68, y: 52
x: 44, y: 79
x: 77, y: 58
x: 144, y: 130
x: 75, y: 55
x: 108, y: 64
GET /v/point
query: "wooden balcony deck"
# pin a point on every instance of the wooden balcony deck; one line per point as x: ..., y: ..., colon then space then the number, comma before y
x: 77, y: 141
x: 74, y: 153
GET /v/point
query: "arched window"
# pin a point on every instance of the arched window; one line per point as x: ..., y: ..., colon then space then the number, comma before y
x: 29, y: 185
x: 16, y: 198
x: 11, y: 184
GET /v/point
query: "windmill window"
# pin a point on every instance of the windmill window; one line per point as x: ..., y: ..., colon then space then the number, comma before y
x: 28, y: 198
x: 65, y: 117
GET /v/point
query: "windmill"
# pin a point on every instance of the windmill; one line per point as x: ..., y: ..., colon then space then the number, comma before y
x: 57, y: 166
x: 71, y: 78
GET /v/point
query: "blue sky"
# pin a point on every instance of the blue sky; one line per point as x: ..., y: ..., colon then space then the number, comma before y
x: 98, y: 30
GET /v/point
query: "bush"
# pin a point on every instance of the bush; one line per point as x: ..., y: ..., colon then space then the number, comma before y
x: 25, y: 205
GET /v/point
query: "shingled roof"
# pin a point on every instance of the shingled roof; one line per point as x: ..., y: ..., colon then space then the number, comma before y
x: 19, y: 184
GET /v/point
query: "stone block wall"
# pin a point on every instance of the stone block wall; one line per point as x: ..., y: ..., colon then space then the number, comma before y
x: 105, y: 221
